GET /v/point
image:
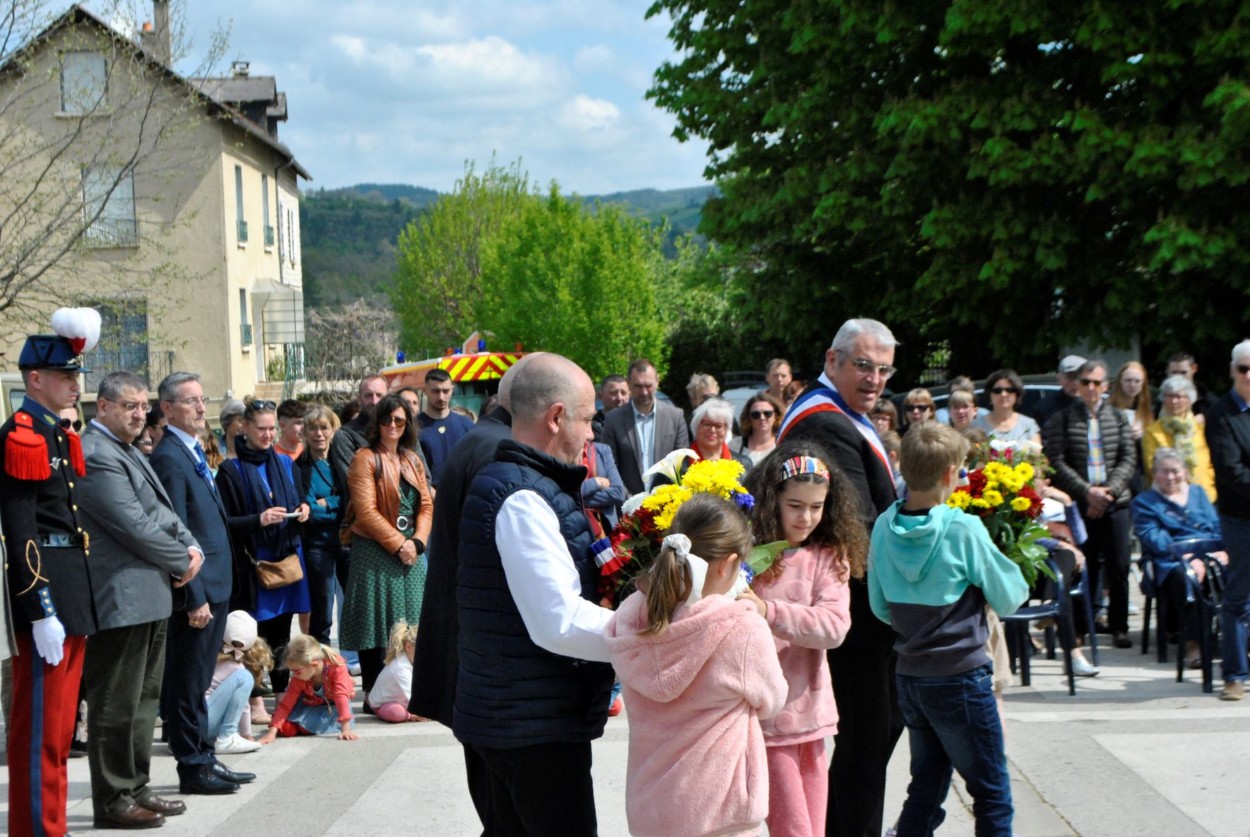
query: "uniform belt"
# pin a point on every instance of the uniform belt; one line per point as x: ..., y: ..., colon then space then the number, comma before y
x: 59, y: 540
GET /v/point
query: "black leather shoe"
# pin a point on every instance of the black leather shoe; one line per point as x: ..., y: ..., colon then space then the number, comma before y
x: 133, y: 817
x: 166, y: 807
x: 206, y: 781
x: 230, y: 775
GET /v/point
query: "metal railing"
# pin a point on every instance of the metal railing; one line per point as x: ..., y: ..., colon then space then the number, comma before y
x: 150, y: 365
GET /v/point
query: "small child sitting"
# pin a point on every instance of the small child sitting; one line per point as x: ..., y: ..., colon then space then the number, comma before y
x: 243, y: 659
x: 931, y: 570
x: 319, y: 695
x: 390, y: 693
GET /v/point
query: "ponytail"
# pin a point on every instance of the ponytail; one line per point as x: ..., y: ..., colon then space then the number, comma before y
x: 670, y: 585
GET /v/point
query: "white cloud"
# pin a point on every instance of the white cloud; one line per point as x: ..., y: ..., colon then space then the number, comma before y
x: 594, y: 59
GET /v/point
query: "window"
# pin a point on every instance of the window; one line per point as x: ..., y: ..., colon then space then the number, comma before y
x: 245, y: 327
x: 264, y: 192
x: 238, y: 205
x: 123, y: 340
x: 108, y: 198
x: 84, y: 81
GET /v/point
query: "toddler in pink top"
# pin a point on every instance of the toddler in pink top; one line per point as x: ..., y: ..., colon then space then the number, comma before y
x: 698, y: 671
x: 805, y: 600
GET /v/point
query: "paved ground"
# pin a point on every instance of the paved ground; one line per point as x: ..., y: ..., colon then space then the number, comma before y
x: 1134, y: 753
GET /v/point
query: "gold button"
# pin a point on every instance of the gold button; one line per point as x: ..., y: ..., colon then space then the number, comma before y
x: 75, y: 507
x: 71, y: 485
x: 86, y: 552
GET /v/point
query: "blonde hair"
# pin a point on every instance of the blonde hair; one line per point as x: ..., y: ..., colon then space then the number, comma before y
x: 401, y: 634
x: 257, y: 660
x: 1142, y: 405
x: 928, y: 450
x: 305, y: 650
x: 716, y: 529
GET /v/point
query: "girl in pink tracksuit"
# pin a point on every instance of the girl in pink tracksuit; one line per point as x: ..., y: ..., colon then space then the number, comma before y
x: 699, y: 671
x: 805, y: 600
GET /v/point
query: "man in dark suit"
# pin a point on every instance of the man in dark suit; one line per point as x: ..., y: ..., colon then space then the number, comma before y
x: 833, y: 411
x: 138, y: 544
x: 198, y: 623
x: 644, y: 431
x: 438, y: 654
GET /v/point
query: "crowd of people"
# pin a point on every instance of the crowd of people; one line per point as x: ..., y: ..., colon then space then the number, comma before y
x: 159, y: 568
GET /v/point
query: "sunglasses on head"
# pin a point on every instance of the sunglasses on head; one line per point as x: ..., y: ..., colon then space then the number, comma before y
x: 398, y: 421
x: 259, y: 406
x: 1003, y: 390
x: 762, y: 414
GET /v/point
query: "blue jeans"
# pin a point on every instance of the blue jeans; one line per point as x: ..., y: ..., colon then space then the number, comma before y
x: 1235, y: 612
x: 226, y: 703
x: 953, y: 721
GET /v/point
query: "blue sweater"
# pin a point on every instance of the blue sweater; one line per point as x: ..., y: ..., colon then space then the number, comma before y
x: 929, y: 577
x: 1160, y: 521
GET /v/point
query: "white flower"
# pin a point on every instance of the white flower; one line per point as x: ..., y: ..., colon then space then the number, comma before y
x: 669, y: 466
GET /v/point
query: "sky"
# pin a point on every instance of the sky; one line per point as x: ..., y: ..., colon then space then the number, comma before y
x: 396, y: 91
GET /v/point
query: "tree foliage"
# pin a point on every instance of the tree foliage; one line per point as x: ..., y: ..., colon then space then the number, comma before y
x: 577, y: 280
x: 1013, y: 176
x: 542, y: 270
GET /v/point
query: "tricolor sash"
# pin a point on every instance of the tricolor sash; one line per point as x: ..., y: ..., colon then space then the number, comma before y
x: 824, y: 398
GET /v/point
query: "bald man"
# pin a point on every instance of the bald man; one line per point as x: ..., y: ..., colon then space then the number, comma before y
x: 533, y: 681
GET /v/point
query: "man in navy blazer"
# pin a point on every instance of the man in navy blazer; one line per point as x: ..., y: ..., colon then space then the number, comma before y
x: 645, y: 430
x: 198, y: 623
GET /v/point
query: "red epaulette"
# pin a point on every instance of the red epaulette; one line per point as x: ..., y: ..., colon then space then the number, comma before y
x: 76, y: 457
x: 25, y: 451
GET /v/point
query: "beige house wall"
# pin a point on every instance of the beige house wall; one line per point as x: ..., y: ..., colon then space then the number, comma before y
x: 187, y: 266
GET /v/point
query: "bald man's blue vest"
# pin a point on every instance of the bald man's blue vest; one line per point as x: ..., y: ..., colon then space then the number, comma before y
x: 510, y: 692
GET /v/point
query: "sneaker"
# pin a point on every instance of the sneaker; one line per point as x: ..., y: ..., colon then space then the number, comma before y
x: 1081, y: 667
x: 235, y: 743
x: 354, y: 669
x: 616, y: 707
x: 1233, y: 690
x: 891, y: 832
x: 1133, y: 610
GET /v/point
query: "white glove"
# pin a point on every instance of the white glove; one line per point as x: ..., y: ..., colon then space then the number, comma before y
x: 49, y: 636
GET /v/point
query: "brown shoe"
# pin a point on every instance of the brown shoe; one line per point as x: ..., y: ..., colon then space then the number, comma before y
x: 135, y: 816
x: 1233, y: 690
x: 164, y: 807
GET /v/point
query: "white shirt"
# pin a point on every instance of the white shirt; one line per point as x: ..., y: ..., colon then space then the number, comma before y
x: 186, y: 438
x: 544, y: 583
x: 394, y: 683
x: 644, y: 427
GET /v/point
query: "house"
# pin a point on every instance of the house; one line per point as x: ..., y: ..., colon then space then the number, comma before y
x: 168, y: 203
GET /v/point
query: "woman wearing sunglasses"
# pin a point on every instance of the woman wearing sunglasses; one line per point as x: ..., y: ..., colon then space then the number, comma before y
x: 761, y: 417
x: 389, y: 517
x: 259, y: 489
x: 1004, y: 388
x: 918, y: 407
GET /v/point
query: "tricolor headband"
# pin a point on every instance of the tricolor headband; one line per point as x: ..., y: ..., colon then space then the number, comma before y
x: 796, y: 465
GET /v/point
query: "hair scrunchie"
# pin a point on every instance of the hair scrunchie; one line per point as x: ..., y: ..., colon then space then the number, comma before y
x: 680, y: 544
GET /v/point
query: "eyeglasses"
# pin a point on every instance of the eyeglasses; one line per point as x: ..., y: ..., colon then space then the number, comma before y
x: 1091, y: 382
x: 917, y: 408
x: 387, y: 421
x: 715, y: 428
x: 864, y: 366
x: 130, y: 406
x: 1004, y: 390
x: 1242, y: 369
x: 195, y: 401
x: 763, y: 414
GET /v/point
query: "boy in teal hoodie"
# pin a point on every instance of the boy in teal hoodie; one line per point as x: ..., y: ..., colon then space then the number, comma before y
x: 931, y: 570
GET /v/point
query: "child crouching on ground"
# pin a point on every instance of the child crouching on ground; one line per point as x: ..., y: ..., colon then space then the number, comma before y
x: 931, y: 570
x: 319, y: 695
x: 390, y: 693
x: 242, y: 661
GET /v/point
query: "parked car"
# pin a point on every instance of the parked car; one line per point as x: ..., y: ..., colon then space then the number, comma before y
x: 1036, y: 387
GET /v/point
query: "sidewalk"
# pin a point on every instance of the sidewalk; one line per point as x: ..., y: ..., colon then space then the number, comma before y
x: 1134, y: 753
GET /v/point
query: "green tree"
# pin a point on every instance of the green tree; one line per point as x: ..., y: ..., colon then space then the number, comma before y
x: 577, y: 280
x: 1012, y: 176
x: 438, y: 279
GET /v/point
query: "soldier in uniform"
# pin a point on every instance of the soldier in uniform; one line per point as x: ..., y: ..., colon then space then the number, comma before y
x: 48, y: 580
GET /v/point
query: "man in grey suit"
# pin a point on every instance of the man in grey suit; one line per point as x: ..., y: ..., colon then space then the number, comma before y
x: 139, y: 551
x: 645, y: 430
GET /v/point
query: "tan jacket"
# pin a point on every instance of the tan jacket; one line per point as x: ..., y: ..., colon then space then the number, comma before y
x: 375, y: 501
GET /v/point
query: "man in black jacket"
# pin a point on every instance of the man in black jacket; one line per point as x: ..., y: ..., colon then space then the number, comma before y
x: 833, y: 411
x: 1091, y: 449
x: 1228, y: 437
x: 351, y: 436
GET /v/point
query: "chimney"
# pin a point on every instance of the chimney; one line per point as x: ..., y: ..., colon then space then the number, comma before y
x: 159, y: 45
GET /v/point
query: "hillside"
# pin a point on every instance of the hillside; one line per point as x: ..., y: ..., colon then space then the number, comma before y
x: 348, y: 235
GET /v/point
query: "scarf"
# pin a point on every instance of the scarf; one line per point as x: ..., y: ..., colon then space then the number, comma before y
x: 255, y: 469
x: 1181, y: 429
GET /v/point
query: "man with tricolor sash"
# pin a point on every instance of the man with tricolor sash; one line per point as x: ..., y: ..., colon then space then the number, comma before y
x: 833, y: 412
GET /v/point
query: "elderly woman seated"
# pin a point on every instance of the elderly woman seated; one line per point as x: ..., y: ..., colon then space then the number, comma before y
x: 1169, y: 511
x: 1180, y: 428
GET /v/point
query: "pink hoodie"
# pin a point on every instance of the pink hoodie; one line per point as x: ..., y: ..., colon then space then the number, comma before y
x: 809, y: 610
x: 695, y: 694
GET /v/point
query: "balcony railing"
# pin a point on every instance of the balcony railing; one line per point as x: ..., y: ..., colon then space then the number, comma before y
x: 152, y: 365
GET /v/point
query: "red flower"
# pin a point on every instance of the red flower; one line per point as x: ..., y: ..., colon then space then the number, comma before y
x: 976, y: 483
